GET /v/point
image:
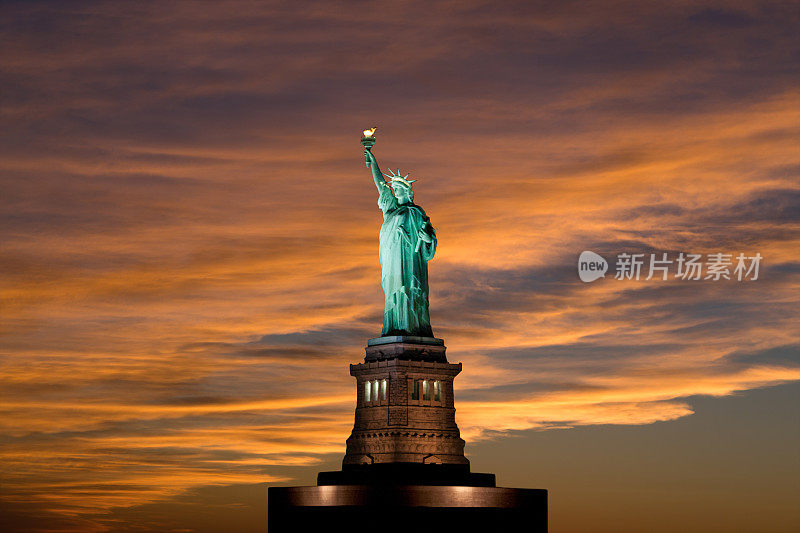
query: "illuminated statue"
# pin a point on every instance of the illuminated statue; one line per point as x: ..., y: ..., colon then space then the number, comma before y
x: 407, y: 243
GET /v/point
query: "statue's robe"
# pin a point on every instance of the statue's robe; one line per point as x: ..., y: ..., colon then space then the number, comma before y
x: 404, y: 266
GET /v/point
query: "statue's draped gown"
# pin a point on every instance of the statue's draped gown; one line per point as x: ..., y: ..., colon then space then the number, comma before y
x: 404, y: 265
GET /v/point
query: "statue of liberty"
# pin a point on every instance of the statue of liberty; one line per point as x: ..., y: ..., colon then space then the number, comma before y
x: 407, y: 243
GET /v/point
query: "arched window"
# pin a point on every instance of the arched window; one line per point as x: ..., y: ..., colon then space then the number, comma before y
x: 426, y: 390
x: 367, y: 391
x: 437, y: 391
x: 384, y: 386
x: 375, y: 391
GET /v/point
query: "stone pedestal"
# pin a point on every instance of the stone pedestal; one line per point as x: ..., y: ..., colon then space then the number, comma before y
x: 404, y: 404
x: 405, y: 469
x: 404, y: 408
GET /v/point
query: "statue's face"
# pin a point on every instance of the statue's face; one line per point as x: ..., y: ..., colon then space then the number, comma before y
x: 401, y: 193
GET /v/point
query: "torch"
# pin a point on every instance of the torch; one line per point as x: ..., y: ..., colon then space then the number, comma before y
x: 368, y: 139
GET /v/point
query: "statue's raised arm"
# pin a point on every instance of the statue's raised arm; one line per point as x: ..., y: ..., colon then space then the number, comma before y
x: 380, y: 183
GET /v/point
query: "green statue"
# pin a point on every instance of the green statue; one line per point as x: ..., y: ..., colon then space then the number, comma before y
x: 407, y: 243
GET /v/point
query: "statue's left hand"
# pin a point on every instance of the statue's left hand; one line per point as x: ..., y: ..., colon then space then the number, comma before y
x: 404, y: 233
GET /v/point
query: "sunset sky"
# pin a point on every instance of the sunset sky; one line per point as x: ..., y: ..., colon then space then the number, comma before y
x: 189, y: 261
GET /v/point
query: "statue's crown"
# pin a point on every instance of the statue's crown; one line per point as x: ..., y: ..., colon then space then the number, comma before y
x: 398, y: 179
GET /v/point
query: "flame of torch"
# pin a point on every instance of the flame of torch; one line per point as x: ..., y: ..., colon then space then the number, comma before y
x: 368, y: 140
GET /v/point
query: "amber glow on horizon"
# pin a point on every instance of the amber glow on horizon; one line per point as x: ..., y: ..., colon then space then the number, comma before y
x: 189, y: 247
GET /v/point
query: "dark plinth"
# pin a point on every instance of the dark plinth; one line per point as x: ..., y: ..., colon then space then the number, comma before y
x: 406, y: 347
x: 410, y: 339
x: 406, y: 474
x: 405, y: 508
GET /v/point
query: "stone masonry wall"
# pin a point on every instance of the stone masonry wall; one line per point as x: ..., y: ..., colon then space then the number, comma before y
x: 401, y: 428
